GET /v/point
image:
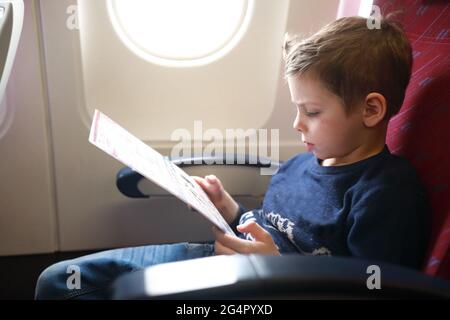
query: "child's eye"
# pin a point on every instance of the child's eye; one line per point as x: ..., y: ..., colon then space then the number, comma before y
x: 311, y: 114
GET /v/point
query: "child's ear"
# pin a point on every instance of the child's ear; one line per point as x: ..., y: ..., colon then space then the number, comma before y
x: 374, y: 109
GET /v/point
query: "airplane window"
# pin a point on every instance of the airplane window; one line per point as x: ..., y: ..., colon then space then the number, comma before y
x: 180, y: 32
x: 365, y: 8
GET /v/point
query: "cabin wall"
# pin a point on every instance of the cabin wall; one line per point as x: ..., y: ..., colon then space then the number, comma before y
x: 58, y: 191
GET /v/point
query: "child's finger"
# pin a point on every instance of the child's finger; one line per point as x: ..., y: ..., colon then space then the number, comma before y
x: 219, y: 249
x: 210, y: 185
x: 257, y: 232
x: 229, y: 241
x: 211, y: 178
x: 214, y: 180
x: 205, y: 185
x: 199, y: 180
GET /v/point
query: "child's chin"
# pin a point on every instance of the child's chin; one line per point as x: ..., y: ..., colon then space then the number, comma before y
x: 314, y: 151
x: 318, y: 154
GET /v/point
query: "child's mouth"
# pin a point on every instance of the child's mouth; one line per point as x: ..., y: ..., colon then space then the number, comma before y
x: 309, y: 146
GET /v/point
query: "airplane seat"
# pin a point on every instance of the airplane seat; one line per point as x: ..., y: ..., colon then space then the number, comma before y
x: 11, y: 24
x: 420, y: 131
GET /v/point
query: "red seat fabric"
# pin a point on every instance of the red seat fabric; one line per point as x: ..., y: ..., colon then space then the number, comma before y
x: 420, y: 132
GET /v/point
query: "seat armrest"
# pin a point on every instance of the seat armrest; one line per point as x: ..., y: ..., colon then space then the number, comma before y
x: 270, y: 277
x: 127, y: 179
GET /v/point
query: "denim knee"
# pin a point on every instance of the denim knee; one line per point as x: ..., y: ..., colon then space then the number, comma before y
x: 96, y: 273
x: 51, y: 283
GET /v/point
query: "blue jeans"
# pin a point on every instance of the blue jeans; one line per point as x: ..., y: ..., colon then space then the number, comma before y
x: 98, y: 271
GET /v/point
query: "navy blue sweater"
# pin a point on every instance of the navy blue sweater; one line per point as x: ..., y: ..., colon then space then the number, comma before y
x: 375, y: 209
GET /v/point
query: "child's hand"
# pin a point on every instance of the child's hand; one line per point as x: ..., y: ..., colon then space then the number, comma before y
x: 213, y: 188
x: 228, y: 244
x: 219, y: 196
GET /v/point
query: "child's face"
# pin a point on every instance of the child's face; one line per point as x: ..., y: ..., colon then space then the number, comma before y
x: 326, y: 129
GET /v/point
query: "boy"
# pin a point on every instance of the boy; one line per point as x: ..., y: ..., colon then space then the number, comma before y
x: 348, y: 196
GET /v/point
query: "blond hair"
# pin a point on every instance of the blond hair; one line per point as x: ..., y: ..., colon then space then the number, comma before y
x: 353, y: 60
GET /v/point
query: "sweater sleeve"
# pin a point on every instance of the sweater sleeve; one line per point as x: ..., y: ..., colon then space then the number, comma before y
x: 389, y: 224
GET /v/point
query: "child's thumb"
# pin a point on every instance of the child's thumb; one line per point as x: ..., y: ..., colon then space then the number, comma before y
x: 214, y: 182
x: 257, y: 232
x: 212, y: 178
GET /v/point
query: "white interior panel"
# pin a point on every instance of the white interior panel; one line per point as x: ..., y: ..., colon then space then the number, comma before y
x: 27, y: 211
x: 155, y: 100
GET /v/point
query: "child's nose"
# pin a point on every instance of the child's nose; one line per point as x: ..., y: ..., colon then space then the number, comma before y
x: 299, y: 124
